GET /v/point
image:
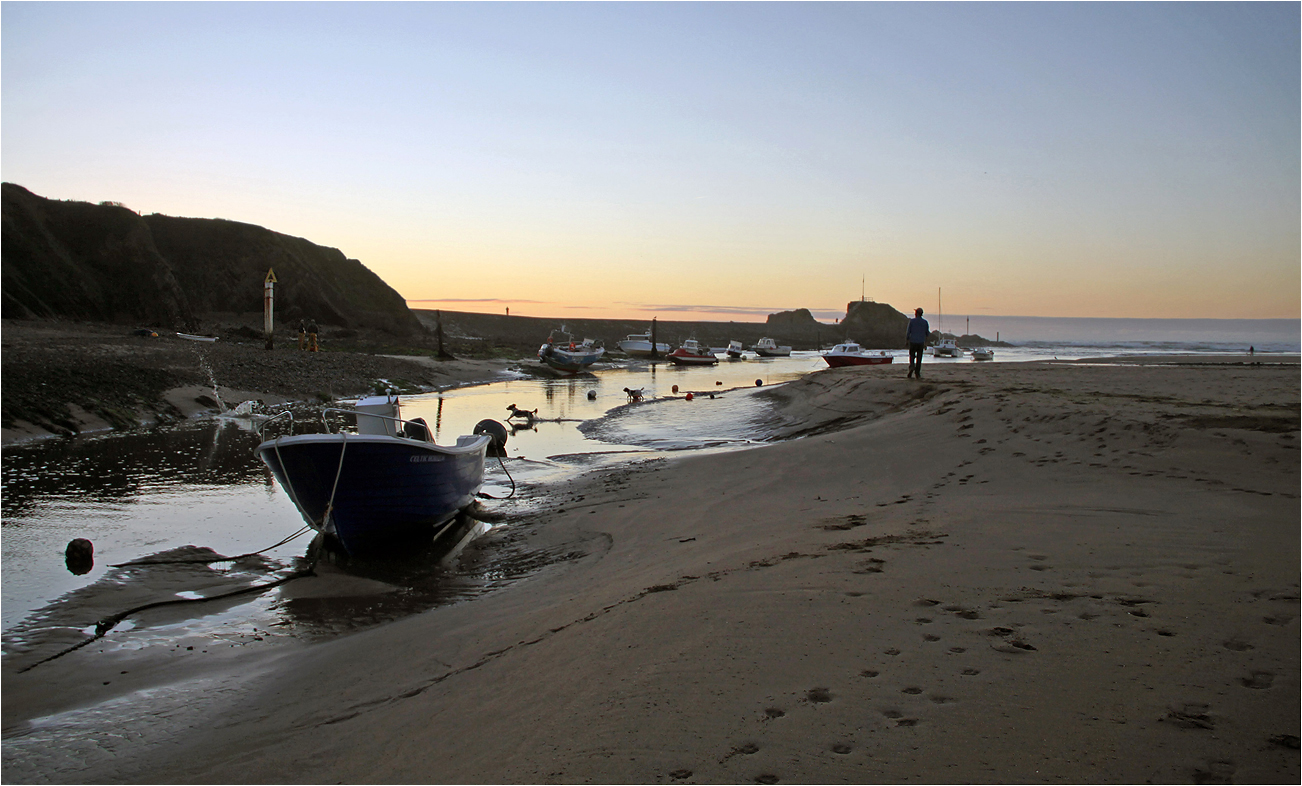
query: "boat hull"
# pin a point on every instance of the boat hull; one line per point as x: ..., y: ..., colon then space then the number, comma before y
x: 567, y: 361
x: 642, y: 349
x: 389, y: 490
x: 680, y: 358
x: 772, y: 353
x: 837, y: 361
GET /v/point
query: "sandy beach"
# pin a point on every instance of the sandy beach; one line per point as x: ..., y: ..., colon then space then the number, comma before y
x: 1039, y: 572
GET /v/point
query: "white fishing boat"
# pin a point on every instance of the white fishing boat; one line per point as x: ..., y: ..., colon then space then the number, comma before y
x: 768, y: 348
x: 638, y: 345
x: 983, y: 353
x: 851, y: 354
x: 734, y: 349
x: 946, y: 348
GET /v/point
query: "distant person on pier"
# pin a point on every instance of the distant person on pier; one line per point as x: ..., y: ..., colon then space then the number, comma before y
x: 311, y: 336
x: 302, y: 335
x: 919, y: 330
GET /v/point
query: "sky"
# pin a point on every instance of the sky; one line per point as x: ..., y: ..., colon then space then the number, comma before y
x: 699, y: 160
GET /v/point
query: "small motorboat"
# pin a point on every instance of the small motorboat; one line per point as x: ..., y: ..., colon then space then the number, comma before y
x: 385, y: 485
x: 734, y: 350
x: 946, y: 348
x: 983, y: 353
x: 768, y: 348
x: 693, y: 353
x: 851, y: 354
x: 638, y: 345
x: 562, y: 353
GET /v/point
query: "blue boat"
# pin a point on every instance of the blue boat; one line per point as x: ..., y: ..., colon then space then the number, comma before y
x: 386, y: 485
x: 564, y: 354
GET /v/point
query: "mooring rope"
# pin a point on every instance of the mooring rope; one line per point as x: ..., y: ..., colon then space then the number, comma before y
x: 108, y: 623
x: 210, y: 560
x: 508, y: 477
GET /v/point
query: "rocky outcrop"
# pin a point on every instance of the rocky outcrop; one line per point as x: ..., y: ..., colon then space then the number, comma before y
x: 103, y: 262
x: 875, y: 325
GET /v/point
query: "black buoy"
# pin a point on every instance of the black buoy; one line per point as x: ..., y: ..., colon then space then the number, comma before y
x: 497, y: 432
x: 759, y: 382
x: 592, y: 395
x: 79, y: 556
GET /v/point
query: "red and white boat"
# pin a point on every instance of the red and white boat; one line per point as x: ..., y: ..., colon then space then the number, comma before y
x: 851, y: 354
x: 693, y: 353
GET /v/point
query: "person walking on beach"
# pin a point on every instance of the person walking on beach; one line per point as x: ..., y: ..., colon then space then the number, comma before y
x: 311, y: 336
x: 302, y: 336
x: 917, y: 338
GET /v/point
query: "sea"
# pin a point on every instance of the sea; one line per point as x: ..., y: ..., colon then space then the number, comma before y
x: 152, y: 492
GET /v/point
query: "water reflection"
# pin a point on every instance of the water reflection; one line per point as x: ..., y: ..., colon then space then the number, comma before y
x: 116, y: 467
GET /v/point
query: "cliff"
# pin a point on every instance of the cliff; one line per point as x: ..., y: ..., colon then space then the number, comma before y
x: 103, y: 262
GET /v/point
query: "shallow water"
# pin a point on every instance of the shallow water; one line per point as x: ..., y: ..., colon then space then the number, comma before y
x: 150, y: 492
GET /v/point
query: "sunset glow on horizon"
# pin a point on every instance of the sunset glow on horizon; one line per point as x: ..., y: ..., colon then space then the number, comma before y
x: 699, y: 160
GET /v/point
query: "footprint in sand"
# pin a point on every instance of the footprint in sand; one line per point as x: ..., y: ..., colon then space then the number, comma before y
x: 1236, y: 645
x: 1190, y: 716
x: 1215, y: 771
x: 818, y: 695
x: 971, y: 672
x: 869, y: 673
x: 679, y: 775
x: 912, y: 691
x: 893, y: 714
x: 841, y: 748
x: 772, y: 713
x: 766, y: 778
x: 1260, y: 680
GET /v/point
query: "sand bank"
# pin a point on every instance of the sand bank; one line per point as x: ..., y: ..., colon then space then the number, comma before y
x: 1001, y: 573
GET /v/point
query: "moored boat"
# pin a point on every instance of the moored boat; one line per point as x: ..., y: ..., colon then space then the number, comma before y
x: 851, y: 354
x: 983, y: 353
x: 768, y: 348
x: 946, y: 348
x: 638, y: 345
x: 734, y: 349
x: 385, y: 485
x: 564, y: 354
x: 693, y: 353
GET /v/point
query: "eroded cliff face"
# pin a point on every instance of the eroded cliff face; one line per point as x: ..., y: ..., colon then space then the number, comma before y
x: 103, y: 262
x: 81, y: 261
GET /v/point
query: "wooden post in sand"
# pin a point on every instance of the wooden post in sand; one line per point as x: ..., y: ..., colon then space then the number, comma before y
x: 654, y: 353
x: 269, y: 307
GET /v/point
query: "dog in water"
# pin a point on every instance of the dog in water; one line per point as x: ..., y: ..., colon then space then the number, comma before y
x: 516, y: 412
x: 634, y: 395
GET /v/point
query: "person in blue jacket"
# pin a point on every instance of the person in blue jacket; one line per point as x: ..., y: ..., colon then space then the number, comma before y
x: 919, y: 330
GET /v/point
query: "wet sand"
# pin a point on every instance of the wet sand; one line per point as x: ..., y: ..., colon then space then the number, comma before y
x: 1001, y: 573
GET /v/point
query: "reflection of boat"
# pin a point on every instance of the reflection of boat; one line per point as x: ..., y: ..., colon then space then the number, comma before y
x: 692, y: 353
x: 386, y: 484
x: 193, y: 337
x: 638, y: 345
x: 562, y: 353
x: 734, y: 349
x: 851, y: 354
x: 946, y: 348
x: 768, y: 348
x: 983, y: 353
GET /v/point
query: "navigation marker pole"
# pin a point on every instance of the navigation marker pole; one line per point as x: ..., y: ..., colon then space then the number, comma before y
x: 269, y: 307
